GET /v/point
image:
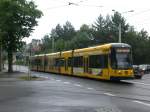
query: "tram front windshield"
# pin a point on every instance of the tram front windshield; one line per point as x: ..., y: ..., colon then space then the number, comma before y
x: 121, y: 58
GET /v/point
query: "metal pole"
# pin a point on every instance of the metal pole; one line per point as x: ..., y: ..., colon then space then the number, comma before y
x: 52, y: 44
x: 119, y: 33
x: 29, y: 68
x: 1, y: 56
x: 29, y: 63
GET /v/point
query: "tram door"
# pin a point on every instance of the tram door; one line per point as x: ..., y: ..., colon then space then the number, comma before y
x: 86, y: 64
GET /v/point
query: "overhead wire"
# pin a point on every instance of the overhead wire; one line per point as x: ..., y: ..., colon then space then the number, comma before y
x: 59, y: 1
x: 90, y: 5
x: 55, y: 7
x: 77, y: 4
x: 141, y: 21
x: 80, y: 4
x: 71, y: 3
x: 138, y: 13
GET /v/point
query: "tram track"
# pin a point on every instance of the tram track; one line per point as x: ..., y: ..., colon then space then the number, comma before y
x: 115, y: 83
x: 102, y: 93
x: 83, y: 90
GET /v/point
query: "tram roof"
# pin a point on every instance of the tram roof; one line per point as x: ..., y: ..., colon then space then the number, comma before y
x: 108, y: 45
x: 120, y: 45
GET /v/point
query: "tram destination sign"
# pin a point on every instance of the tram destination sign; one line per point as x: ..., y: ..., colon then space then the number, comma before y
x: 122, y: 50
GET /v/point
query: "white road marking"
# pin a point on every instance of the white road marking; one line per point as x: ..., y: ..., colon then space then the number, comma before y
x: 46, y: 77
x: 78, y: 85
x: 138, y: 83
x: 109, y: 94
x: 136, y: 101
x: 141, y: 83
x: 90, y: 88
x: 66, y: 82
x: 42, y: 77
x: 58, y: 80
x: 7, y: 85
x: 51, y: 82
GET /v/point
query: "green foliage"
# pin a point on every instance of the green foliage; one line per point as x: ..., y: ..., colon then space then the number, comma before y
x: 80, y: 40
x: 17, y: 19
x: 20, y: 62
x: 47, y: 44
x: 140, y: 45
x: 57, y: 33
x: 68, y: 31
x: 104, y: 30
x: 60, y: 45
x: 65, y: 32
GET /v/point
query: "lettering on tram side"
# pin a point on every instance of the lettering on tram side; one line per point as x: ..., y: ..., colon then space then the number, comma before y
x: 96, y: 71
x: 77, y: 70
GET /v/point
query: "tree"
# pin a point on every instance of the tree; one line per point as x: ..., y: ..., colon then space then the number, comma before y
x: 143, y: 34
x: 103, y: 30
x: 117, y: 19
x: 57, y: 33
x: 68, y: 31
x: 59, y: 45
x: 46, y: 44
x: 17, y: 19
x: 65, y: 32
x: 86, y: 34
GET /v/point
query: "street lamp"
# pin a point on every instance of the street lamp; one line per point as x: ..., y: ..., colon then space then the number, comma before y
x: 29, y: 61
x: 119, y: 27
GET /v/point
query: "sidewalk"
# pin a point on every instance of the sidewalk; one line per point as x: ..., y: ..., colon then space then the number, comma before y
x: 18, y: 95
x: 4, y: 75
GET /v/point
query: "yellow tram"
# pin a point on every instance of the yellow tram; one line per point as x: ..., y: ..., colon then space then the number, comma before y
x: 111, y: 61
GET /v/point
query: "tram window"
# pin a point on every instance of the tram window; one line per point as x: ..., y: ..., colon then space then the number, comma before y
x: 78, y: 61
x: 59, y: 62
x: 35, y: 62
x: 56, y: 62
x: 32, y: 62
x: 38, y: 62
x: 45, y: 62
x: 70, y: 62
x: 65, y: 64
x: 98, y: 61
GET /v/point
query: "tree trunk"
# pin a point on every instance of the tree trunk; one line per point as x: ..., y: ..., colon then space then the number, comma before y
x: 10, y: 61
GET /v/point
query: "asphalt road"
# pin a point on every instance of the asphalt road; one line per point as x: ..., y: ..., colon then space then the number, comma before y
x: 60, y: 93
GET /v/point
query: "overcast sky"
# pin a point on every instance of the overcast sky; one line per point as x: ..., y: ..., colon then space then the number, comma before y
x: 87, y: 11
